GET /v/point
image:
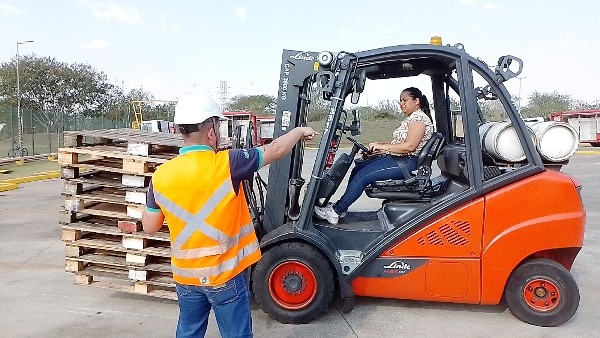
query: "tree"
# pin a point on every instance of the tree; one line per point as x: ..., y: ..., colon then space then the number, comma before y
x: 542, y: 104
x: 582, y: 105
x: 259, y: 104
x: 492, y: 110
x: 55, y: 89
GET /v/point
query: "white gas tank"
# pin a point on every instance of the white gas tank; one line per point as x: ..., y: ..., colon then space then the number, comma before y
x: 500, y: 140
x: 556, y: 141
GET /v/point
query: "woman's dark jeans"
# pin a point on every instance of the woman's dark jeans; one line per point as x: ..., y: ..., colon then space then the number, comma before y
x: 369, y: 171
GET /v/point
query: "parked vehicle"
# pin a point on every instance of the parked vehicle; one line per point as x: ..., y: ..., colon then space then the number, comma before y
x: 483, y: 229
x: 261, y: 127
x: 585, y: 122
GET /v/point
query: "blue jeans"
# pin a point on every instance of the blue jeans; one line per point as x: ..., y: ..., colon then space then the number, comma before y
x: 369, y: 171
x: 231, y: 303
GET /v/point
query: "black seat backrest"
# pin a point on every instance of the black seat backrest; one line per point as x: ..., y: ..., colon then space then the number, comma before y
x: 431, y: 150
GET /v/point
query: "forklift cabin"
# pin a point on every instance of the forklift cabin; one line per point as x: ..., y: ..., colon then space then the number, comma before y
x: 472, y: 233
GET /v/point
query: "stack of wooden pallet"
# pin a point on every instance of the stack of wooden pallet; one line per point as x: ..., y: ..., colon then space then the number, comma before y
x: 106, y: 175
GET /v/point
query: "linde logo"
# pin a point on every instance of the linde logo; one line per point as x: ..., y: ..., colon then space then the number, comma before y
x: 397, y: 265
x: 303, y: 56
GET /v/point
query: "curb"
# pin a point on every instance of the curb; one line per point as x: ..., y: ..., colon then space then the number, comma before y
x: 7, y: 186
x: 13, y: 183
x: 588, y: 152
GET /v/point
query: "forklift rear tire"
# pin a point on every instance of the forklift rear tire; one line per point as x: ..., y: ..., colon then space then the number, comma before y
x: 542, y: 292
x: 293, y: 283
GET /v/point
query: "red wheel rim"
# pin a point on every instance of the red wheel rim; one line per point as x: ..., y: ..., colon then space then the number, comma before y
x: 541, y: 295
x: 292, y: 285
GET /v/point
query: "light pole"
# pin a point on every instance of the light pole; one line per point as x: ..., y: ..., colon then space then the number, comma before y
x: 520, y: 79
x: 19, y: 117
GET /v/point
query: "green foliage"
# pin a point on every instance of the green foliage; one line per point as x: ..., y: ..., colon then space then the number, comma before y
x: 319, y: 107
x: 55, y: 89
x: 259, y: 104
x: 492, y: 110
x: 67, y: 94
x: 542, y: 104
x: 582, y: 105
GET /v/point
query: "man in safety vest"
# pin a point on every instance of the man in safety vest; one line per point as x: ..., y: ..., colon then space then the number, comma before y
x: 200, y: 195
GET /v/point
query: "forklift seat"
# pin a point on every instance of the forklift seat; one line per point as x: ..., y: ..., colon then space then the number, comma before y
x: 416, y: 186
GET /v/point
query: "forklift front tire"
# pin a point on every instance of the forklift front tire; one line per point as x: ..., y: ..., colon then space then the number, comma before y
x: 542, y: 292
x: 293, y: 283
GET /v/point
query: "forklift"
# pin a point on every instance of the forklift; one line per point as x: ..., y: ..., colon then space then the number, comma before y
x: 480, y: 230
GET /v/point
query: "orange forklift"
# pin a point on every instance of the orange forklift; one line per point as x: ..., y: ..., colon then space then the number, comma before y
x: 468, y: 226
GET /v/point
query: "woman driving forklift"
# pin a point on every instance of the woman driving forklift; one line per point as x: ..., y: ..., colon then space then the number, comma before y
x: 401, y: 154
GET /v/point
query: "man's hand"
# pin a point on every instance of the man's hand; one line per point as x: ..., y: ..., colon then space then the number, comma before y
x: 307, y: 133
x: 283, y: 144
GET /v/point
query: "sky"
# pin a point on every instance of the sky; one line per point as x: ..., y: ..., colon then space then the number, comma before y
x: 176, y: 46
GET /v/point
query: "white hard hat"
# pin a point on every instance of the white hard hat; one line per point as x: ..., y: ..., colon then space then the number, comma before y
x: 196, y: 108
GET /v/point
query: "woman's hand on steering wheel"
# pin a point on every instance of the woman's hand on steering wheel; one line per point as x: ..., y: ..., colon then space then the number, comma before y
x: 359, y: 145
x: 378, y: 147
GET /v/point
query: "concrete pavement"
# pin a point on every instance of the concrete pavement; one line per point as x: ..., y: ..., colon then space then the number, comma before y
x: 38, y: 298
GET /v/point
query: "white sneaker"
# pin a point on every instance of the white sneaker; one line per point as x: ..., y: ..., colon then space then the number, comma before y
x: 328, y: 214
x: 342, y: 215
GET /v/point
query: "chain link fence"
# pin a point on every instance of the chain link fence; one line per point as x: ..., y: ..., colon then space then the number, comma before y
x: 39, y: 138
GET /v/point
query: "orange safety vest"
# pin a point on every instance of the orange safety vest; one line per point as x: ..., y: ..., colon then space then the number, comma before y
x: 212, y: 235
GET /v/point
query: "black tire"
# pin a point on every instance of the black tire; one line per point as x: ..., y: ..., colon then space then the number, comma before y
x: 11, y: 153
x: 542, y: 292
x: 305, y: 286
x: 24, y: 152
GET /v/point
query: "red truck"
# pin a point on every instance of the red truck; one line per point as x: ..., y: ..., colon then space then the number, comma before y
x: 261, y: 127
x: 586, y: 122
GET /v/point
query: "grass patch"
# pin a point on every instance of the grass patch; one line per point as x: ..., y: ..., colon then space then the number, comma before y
x: 28, y: 169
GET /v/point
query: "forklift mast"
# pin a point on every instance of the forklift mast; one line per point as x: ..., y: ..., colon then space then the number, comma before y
x: 299, y: 71
x: 292, y: 100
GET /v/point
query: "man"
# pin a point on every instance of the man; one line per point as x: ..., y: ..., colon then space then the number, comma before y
x: 200, y: 195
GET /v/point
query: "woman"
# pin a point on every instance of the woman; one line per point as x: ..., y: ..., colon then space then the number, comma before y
x: 409, y: 138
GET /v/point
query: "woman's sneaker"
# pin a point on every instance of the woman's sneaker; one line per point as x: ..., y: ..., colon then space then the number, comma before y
x: 342, y: 215
x: 328, y: 214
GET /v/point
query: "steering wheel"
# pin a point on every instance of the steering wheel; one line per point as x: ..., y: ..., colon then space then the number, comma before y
x: 360, y: 146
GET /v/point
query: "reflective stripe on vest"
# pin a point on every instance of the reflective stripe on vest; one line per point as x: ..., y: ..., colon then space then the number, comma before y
x: 227, y: 265
x: 198, y: 222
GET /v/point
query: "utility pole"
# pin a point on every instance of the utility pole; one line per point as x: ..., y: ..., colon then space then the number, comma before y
x: 519, y: 107
x: 223, y: 94
x: 19, y: 117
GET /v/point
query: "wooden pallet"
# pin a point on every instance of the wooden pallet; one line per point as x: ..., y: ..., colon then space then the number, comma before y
x: 107, y: 277
x: 139, y: 255
x: 93, y: 179
x: 76, y: 197
x: 111, y: 238
x: 137, y: 141
x: 85, y: 252
x: 127, y: 180
x: 110, y: 226
x: 92, y: 158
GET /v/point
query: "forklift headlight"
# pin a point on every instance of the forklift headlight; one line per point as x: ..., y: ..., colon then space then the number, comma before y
x: 325, y: 58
